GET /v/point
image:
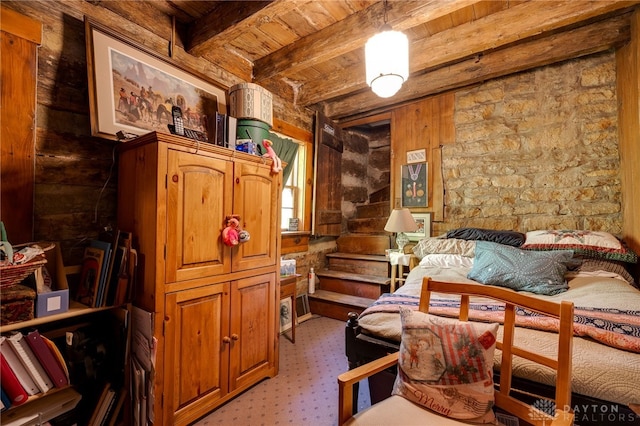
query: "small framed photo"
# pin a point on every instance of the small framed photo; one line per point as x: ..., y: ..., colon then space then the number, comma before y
x: 417, y: 156
x: 286, y: 315
x: 424, y: 226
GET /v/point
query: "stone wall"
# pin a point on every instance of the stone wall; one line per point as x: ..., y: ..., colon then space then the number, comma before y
x: 537, y: 150
x: 379, y: 159
x: 365, y: 167
x: 355, y: 166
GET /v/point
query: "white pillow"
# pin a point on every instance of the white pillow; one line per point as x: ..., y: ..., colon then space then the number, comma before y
x: 446, y: 260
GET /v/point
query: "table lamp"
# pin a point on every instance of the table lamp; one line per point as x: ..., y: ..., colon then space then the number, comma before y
x: 401, y: 221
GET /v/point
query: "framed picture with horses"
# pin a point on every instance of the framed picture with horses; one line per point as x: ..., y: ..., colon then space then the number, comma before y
x: 133, y: 89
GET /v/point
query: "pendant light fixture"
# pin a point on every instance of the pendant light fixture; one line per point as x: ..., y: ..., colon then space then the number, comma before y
x: 387, y: 60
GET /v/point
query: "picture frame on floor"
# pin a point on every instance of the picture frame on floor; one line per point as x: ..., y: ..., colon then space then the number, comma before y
x: 286, y: 315
x: 303, y: 312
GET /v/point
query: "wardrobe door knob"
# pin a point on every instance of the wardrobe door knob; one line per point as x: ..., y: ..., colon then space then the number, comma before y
x: 235, y: 337
x: 226, y: 339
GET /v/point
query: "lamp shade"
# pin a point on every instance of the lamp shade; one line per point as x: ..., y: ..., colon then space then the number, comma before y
x: 401, y: 220
x: 387, y: 61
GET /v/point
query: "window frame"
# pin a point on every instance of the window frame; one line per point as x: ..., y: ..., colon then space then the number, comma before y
x: 305, y: 138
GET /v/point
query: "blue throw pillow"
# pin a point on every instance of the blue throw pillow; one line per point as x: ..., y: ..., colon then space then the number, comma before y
x: 540, y: 272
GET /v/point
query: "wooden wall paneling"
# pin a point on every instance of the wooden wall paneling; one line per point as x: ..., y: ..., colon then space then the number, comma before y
x: 404, y: 121
x: 628, y: 78
x: 427, y: 125
x: 18, y: 77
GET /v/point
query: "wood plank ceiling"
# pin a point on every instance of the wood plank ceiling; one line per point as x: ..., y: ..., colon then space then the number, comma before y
x: 311, y: 52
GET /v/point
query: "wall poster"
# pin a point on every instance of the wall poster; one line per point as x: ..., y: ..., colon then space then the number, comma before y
x: 414, y: 185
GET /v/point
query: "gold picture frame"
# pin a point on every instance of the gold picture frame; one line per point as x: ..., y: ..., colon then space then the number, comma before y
x: 132, y: 89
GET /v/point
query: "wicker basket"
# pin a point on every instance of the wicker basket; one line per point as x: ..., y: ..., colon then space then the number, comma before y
x: 15, y: 274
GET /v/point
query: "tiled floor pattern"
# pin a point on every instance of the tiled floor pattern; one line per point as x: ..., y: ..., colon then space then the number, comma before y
x: 305, y: 392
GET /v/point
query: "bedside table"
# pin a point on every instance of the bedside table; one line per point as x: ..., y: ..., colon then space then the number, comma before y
x: 398, y: 261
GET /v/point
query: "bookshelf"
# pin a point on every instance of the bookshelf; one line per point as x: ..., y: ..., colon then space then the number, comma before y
x: 41, y: 408
x: 75, y: 310
x: 44, y: 406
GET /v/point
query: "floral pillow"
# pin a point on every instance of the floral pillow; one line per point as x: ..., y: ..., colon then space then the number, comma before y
x: 446, y: 365
x: 444, y: 245
x: 591, y: 244
x: 446, y: 260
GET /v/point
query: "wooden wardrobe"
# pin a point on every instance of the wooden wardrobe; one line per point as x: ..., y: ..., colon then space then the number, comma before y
x: 214, y: 306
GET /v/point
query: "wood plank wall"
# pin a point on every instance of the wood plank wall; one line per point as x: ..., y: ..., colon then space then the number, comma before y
x: 628, y: 64
x: 427, y: 124
x: 20, y: 37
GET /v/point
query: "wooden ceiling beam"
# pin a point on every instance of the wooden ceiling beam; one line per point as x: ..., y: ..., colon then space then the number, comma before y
x: 157, y: 14
x: 221, y: 26
x: 224, y: 16
x: 464, y: 41
x: 537, y: 52
x: 350, y: 34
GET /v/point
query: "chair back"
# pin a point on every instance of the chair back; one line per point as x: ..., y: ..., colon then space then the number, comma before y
x: 561, y: 363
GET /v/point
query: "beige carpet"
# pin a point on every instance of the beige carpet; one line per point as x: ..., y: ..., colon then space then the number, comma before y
x: 305, y: 392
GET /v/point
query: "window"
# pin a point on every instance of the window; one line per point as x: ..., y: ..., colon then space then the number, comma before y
x: 291, y: 196
x: 298, y: 189
x: 294, y: 189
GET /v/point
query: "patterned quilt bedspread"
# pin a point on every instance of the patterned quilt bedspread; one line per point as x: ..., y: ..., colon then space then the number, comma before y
x: 606, y: 354
x: 611, y: 326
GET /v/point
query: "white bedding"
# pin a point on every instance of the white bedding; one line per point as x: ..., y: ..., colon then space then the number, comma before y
x: 599, y: 371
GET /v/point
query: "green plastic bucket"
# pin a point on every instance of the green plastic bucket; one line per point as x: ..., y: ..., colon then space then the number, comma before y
x: 254, y: 129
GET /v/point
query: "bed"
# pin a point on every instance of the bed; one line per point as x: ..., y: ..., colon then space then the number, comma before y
x: 586, y: 270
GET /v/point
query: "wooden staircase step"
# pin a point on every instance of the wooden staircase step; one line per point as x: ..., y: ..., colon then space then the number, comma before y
x: 349, y: 283
x: 358, y: 256
x: 363, y: 243
x: 337, y: 305
x: 382, y: 195
x: 374, y: 225
x: 374, y: 210
x: 364, y: 264
x: 350, y: 276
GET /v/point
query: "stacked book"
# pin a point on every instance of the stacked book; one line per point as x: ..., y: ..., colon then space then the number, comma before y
x: 108, y: 271
x: 30, y: 364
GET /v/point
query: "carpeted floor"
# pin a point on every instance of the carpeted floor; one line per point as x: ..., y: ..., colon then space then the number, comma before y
x: 305, y: 392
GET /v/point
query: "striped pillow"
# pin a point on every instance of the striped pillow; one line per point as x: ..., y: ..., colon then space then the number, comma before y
x: 591, y: 244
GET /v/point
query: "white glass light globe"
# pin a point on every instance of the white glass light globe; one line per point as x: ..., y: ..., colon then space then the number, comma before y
x: 387, y: 61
